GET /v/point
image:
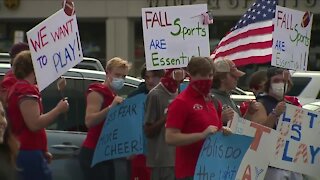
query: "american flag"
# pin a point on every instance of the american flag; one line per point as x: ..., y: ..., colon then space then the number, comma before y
x: 250, y: 40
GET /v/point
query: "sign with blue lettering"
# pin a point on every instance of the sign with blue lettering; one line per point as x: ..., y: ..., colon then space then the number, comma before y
x: 173, y: 34
x: 221, y: 156
x: 55, y: 47
x: 122, y: 133
x: 297, y: 145
x: 291, y: 38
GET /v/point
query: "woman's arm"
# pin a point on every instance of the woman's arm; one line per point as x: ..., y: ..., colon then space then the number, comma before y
x: 35, y: 121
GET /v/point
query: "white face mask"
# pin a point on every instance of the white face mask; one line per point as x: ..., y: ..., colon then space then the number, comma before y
x: 278, y: 89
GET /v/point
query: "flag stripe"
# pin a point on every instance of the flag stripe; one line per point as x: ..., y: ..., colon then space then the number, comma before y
x: 245, y: 29
x: 253, y: 60
x: 256, y: 45
x: 248, y: 53
x: 249, y: 32
x: 244, y: 41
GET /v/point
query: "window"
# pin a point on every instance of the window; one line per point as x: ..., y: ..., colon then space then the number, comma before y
x: 299, y: 83
x: 73, y: 120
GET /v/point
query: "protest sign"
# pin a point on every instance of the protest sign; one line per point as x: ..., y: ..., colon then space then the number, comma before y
x: 297, y: 145
x: 221, y: 155
x: 55, y: 47
x: 291, y: 38
x: 122, y: 133
x: 255, y: 162
x: 172, y: 35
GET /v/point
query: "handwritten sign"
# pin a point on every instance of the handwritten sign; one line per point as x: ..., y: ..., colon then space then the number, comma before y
x: 291, y: 38
x: 220, y: 156
x: 255, y: 162
x: 298, y: 145
x: 122, y: 133
x: 172, y: 35
x: 55, y: 47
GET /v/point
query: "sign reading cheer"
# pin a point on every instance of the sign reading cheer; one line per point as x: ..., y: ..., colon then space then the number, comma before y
x: 172, y: 35
x: 122, y: 135
x: 291, y: 38
x: 221, y: 156
x: 55, y: 47
x: 297, y: 146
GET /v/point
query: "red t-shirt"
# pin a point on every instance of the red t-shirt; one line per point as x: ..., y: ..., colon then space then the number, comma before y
x: 190, y: 113
x: 29, y: 140
x: 94, y: 132
x: 8, y: 80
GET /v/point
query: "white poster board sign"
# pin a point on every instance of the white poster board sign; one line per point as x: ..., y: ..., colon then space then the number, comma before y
x: 55, y: 47
x: 298, y: 145
x: 291, y: 38
x: 256, y: 160
x: 172, y: 35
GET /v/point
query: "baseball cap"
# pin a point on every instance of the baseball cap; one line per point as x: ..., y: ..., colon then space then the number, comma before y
x: 17, y: 48
x: 226, y: 65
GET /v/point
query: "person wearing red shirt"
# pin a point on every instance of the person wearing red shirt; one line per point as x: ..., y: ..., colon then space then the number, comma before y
x: 100, y: 98
x: 25, y: 113
x: 9, y: 79
x: 192, y: 117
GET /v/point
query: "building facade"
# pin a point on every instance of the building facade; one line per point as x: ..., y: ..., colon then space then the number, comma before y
x: 111, y: 28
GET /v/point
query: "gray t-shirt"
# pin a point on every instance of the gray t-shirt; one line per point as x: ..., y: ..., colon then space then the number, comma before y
x: 225, y: 99
x: 159, y: 153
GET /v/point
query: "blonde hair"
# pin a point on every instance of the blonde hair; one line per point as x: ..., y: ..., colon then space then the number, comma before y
x: 117, y: 62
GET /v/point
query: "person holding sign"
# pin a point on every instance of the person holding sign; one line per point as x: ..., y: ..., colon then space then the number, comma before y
x: 101, y: 97
x: 225, y: 80
x: 270, y: 106
x: 160, y: 156
x: 138, y: 163
x: 192, y: 117
x: 25, y: 113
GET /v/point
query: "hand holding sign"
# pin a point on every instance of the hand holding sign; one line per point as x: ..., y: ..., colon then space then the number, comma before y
x: 63, y: 106
x: 210, y: 130
x: 117, y: 100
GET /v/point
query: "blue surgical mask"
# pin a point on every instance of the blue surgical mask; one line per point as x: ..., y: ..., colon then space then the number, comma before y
x: 117, y: 83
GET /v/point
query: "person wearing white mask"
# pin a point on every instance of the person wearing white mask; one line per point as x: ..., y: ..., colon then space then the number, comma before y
x: 270, y: 106
x: 101, y: 97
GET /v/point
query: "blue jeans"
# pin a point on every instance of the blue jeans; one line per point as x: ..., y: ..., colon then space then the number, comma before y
x: 33, y: 166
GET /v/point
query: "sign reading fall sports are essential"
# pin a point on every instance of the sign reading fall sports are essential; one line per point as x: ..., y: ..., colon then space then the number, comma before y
x: 122, y: 133
x: 291, y: 38
x: 172, y: 35
x: 55, y: 47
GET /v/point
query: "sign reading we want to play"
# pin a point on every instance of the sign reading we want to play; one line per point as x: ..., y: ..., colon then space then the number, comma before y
x: 55, y: 47
x: 172, y: 35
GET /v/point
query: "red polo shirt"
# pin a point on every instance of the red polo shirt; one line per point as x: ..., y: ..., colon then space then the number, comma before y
x: 94, y: 132
x: 28, y: 139
x: 190, y: 113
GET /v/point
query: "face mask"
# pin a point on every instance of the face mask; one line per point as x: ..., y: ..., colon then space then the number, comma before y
x: 117, y: 83
x: 277, y: 89
x: 203, y: 86
x: 170, y: 84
